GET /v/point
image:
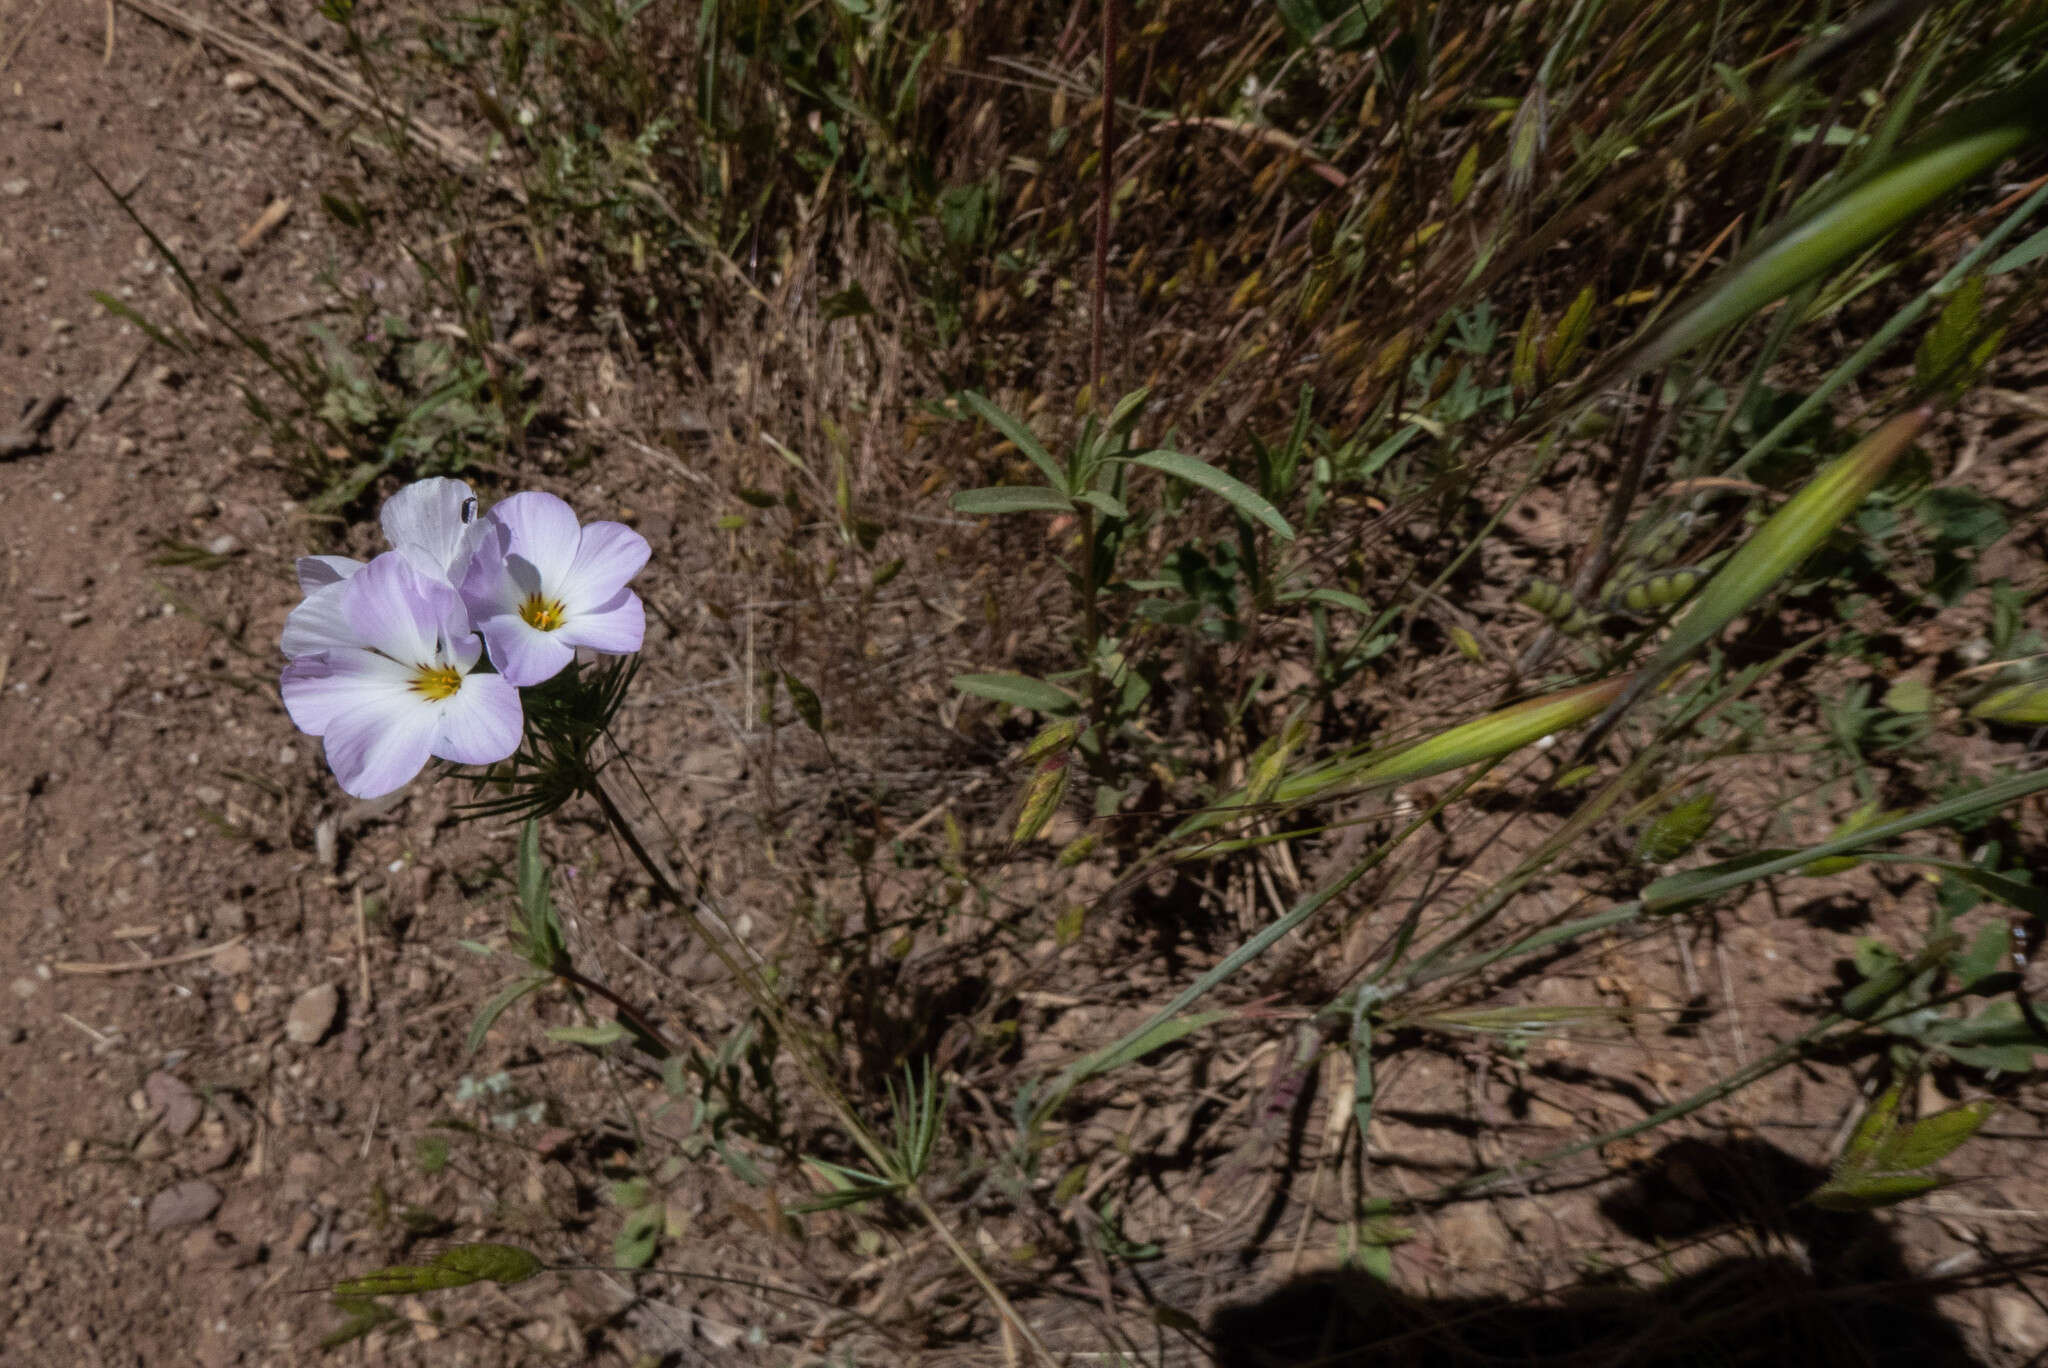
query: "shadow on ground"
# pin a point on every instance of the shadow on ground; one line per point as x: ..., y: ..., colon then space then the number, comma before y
x: 1850, y: 1300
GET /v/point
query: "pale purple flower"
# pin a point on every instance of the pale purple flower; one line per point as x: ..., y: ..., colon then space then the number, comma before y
x: 540, y: 585
x: 431, y: 522
x: 401, y: 685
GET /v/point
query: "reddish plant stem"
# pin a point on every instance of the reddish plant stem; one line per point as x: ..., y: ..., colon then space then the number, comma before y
x: 1102, y: 200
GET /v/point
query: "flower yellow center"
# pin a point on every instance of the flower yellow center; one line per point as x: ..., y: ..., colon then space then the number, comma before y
x: 543, y: 613
x: 436, y: 682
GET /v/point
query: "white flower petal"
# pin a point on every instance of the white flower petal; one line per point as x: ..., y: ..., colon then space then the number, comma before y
x: 394, y: 609
x: 325, y: 685
x: 616, y: 627
x: 523, y: 653
x: 608, y: 555
x: 424, y: 522
x: 382, y: 745
x: 482, y: 724
x: 320, y: 623
x: 487, y: 586
x: 541, y: 531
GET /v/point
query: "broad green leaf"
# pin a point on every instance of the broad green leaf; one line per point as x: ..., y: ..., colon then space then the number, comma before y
x: 2021, y: 705
x: 1025, y: 440
x: 634, y: 1245
x: 1931, y: 1139
x: 1000, y: 499
x: 1985, y: 957
x: 1999, y: 1023
x: 1872, y: 1129
x: 1679, y: 830
x: 1229, y: 488
x: 1020, y: 691
x: 1861, y: 819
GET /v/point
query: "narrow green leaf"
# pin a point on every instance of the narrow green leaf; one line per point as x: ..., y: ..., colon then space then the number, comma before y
x: 490, y: 1262
x: 1496, y: 734
x: 128, y: 314
x: 487, y: 1015
x: 2027, y: 253
x: 1042, y: 798
x: 1786, y: 539
x: 401, y: 1280
x: 1000, y: 499
x: 1229, y: 488
x: 1103, y: 502
x: 1462, y: 178
x: 805, y: 700
x: 1025, y: 440
x: 1702, y: 883
x: 1135, y: 1047
x: 1864, y: 211
x: 1868, y: 1191
x: 1126, y: 413
x: 596, y: 1037
x: 1020, y: 691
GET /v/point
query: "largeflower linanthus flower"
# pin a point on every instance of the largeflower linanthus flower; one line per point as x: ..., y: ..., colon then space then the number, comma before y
x: 401, y: 685
x: 540, y: 585
x: 431, y: 522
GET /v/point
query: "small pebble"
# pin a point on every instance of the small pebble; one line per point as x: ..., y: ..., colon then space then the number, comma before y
x: 14, y: 189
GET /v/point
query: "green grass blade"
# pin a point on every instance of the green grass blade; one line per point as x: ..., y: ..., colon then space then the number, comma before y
x: 1861, y: 214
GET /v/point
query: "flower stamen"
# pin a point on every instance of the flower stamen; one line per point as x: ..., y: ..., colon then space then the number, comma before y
x: 544, y: 614
x: 436, y: 682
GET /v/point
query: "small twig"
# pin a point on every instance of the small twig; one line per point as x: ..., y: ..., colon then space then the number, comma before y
x: 363, y: 948
x: 130, y: 966
x: 27, y: 27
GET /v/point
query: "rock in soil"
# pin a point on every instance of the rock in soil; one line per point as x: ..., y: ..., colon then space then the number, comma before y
x: 172, y: 1099
x: 183, y: 1204
x: 312, y: 1016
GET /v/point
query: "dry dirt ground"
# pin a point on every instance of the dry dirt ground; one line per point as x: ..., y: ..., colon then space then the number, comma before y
x: 232, y: 1001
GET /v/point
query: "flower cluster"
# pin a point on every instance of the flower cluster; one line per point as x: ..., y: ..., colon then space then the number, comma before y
x: 387, y: 659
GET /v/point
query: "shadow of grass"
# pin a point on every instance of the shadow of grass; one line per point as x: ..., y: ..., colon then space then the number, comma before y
x: 1850, y: 1300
